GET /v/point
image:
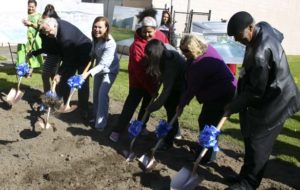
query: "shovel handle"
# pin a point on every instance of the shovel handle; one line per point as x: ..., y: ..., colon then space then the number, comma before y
x: 87, y: 67
x: 48, y: 115
x: 70, y: 96
x: 53, y: 86
x: 203, y: 152
x: 19, y: 83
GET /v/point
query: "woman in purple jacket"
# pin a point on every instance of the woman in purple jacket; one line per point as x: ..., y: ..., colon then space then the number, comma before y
x: 209, y: 80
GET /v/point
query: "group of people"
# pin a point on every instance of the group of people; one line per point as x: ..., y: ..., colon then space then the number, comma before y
x: 265, y: 94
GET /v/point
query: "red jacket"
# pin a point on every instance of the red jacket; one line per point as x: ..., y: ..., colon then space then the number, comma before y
x: 136, y: 68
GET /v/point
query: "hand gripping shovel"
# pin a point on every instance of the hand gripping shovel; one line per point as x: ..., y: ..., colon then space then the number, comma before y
x: 67, y: 107
x: 148, y: 160
x: 139, y: 125
x: 186, y: 179
x: 15, y: 95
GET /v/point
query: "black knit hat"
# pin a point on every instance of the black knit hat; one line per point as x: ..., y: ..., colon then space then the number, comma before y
x: 238, y: 22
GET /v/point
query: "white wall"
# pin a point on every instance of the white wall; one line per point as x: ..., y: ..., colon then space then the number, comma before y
x: 283, y: 15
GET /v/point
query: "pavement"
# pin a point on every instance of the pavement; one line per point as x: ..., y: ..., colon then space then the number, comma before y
x: 10, y: 56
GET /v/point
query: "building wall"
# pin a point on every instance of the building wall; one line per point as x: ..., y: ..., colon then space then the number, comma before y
x: 283, y: 15
x: 137, y: 3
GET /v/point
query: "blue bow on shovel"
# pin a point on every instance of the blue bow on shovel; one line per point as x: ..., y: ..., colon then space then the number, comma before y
x: 161, y: 131
x: 187, y: 179
x: 15, y: 95
x: 208, y: 137
x: 22, y: 69
x: 75, y: 82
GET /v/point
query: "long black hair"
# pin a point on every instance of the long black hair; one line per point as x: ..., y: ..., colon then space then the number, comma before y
x: 146, y: 12
x: 155, y: 52
x: 50, y: 12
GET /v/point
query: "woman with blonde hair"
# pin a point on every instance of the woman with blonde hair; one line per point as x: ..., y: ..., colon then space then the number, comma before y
x: 209, y: 80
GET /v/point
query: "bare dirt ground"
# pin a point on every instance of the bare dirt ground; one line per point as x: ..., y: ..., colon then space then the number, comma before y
x: 77, y: 157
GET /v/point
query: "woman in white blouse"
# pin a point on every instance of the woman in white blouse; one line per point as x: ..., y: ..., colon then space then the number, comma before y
x: 105, y: 71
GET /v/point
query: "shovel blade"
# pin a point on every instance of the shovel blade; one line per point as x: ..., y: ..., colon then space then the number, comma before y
x: 45, y: 126
x: 18, y: 96
x: 67, y: 109
x: 151, y: 165
x: 144, y: 159
x: 11, y: 95
x: 184, y: 180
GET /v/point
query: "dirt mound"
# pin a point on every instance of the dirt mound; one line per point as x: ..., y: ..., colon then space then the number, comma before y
x: 77, y: 157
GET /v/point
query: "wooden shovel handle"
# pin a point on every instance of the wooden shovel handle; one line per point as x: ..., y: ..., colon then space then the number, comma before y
x: 88, y: 66
x: 53, y: 86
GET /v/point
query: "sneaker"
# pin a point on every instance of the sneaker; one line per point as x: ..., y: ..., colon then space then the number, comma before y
x: 178, y: 136
x: 145, y: 132
x: 114, y: 136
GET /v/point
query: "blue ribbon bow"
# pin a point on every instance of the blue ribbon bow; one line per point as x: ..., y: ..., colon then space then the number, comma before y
x: 76, y: 81
x: 135, y: 128
x: 162, y: 129
x: 51, y: 94
x: 209, y: 137
x: 22, y: 69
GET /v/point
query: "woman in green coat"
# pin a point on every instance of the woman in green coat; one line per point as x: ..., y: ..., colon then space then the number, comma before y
x: 33, y: 39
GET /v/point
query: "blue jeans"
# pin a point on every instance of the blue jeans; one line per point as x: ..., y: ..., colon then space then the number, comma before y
x: 102, y: 85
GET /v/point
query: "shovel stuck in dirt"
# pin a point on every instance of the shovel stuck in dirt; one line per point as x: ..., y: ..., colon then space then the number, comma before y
x: 138, y: 124
x: 148, y: 160
x: 67, y: 108
x: 51, y: 103
x: 15, y: 95
x: 186, y: 179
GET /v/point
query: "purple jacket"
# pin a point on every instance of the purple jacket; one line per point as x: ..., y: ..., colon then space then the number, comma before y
x: 208, y: 78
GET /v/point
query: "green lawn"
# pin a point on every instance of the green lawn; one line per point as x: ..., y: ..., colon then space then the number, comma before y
x: 286, y: 148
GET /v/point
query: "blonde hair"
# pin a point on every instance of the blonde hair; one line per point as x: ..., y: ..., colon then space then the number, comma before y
x: 196, y: 45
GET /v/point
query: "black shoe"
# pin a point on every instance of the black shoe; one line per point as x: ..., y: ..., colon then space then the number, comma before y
x: 233, y: 179
x: 84, y: 115
x: 242, y: 185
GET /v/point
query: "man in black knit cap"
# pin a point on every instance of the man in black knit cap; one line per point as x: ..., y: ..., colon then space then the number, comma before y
x: 267, y: 95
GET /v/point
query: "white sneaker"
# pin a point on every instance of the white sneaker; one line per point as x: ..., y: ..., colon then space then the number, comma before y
x: 178, y: 136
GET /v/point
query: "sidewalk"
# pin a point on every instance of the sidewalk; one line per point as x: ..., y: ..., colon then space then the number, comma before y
x: 4, y: 52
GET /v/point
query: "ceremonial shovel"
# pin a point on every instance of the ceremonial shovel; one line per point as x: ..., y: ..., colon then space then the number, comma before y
x: 186, y: 179
x: 67, y: 107
x: 15, y: 95
x: 45, y: 124
x: 147, y: 159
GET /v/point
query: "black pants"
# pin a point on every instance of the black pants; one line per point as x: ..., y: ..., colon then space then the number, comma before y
x: 131, y: 103
x: 63, y: 89
x: 170, y: 106
x: 211, y: 114
x: 257, y: 153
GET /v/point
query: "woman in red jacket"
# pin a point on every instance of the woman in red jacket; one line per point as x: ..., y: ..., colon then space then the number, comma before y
x: 141, y: 86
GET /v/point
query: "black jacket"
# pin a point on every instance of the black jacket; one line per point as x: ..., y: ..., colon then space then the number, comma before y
x: 71, y: 44
x: 172, y: 79
x: 267, y: 93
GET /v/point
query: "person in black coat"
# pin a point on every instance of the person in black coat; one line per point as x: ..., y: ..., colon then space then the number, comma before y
x: 166, y: 66
x: 266, y: 95
x: 63, y: 38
